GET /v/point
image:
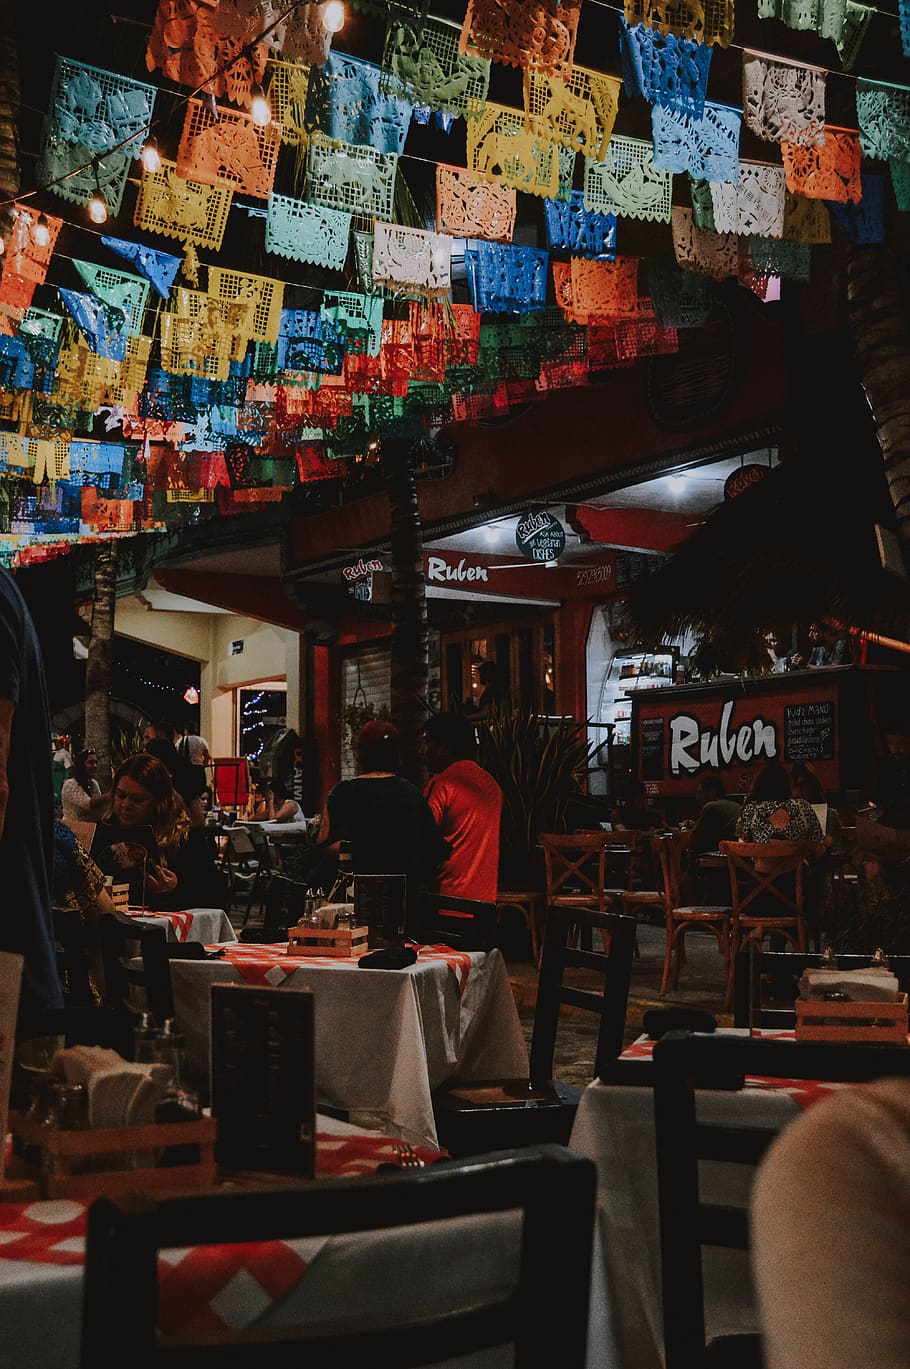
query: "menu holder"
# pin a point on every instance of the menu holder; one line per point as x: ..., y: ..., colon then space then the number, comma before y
x: 380, y: 905
x: 856, y: 1023
x: 263, y: 1080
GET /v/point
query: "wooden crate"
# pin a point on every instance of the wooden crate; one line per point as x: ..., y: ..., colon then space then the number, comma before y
x: 117, y: 1144
x: 852, y: 1022
x: 341, y: 942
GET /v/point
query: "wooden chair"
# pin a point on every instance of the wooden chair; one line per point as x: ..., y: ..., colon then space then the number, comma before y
x: 283, y: 905
x: 576, y: 866
x: 531, y: 904
x: 779, y: 883
x: 137, y: 973
x: 687, y: 1223
x: 551, y: 1189
x: 465, y: 924
x: 683, y: 918
x: 754, y: 969
x: 474, y: 1117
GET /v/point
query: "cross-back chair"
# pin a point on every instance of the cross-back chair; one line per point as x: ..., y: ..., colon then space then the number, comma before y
x: 766, y: 891
x: 683, y: 917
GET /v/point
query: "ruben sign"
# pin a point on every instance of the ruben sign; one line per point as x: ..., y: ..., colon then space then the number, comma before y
x: 693, y: 747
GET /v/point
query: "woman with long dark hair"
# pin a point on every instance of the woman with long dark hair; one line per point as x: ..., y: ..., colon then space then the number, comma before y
x: 81, y: 794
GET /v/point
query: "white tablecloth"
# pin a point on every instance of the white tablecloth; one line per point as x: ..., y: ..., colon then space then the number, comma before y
x: 208, y: 925
x: 384, y: 1038
x: 615, y: 1128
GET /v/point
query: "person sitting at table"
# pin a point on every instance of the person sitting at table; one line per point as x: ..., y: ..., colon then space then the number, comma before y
x: 384, y: 817
x: 632, y: 814
x: 466, y: 803
x: 78, y: 886
x: 771, y: 813
x: 81, y: 794
x: 258, y: 805
x: 831, y: 1233
x: 279, y: 806
x: 147, y: 812
x: 717, y: 816
x: 805, y: 784
x: 188, y: 779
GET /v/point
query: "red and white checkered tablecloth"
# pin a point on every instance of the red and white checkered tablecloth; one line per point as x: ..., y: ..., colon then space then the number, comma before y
x: 271, y: 965
x: 204, y: 1289
x: 804, y: 1092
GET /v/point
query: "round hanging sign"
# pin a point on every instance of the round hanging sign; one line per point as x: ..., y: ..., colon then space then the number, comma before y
x: 743, y: 478
x: 539, y: 536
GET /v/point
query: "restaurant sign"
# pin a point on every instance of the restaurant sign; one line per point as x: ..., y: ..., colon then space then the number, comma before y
x: 540, y: 536
x: 361, y: 570
x: 694, y: 747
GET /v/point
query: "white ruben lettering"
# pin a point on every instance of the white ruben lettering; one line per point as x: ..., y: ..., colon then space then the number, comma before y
x: 694, y: 748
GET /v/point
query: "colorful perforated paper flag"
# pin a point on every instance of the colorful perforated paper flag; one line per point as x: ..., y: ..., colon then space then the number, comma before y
x: 159, y: 268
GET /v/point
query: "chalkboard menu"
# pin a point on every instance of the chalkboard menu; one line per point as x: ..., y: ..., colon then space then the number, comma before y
x: 809, y: 731
x: 263, y: 1089
x: 652, y: 749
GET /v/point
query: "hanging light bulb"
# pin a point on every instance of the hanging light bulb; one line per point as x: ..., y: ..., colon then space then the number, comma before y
x: 333, y: 16
x: 41, y: 231
x: 260, y: 111
x: 97, y: 207
x: 151, y: 158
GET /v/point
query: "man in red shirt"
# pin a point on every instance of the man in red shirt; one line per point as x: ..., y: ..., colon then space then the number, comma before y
x: 466, y: 803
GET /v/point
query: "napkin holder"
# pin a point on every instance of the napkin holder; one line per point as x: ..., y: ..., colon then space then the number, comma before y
x: 850, y: 1021
x: 345, y: 943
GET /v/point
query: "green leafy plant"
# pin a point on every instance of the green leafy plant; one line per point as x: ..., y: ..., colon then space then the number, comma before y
x: 354, y: 716
x: 126, y: 740
x: 540, y: 766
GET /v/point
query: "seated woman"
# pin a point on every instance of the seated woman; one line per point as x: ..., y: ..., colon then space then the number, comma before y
x: 81, y: 794
x: 771, y: 813
x: 279, y: 806
x: 385, y: 818
x: 148, y: 839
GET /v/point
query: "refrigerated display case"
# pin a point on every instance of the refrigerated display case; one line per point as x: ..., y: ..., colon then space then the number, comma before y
x: 630, y: 673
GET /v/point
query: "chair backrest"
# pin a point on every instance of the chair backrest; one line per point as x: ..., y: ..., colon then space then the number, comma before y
x: 240, y: 844
x: 614, y: 965
x: 136, y: 961
x: 466, y: 924
x: 755, y: 968
x: 760, y: 868
x: 551, y: 1188
x: 669, y: 849
x: 686, y: 1222
x: 284, y: 903
x: 72, y: 958
x: 575, y: 862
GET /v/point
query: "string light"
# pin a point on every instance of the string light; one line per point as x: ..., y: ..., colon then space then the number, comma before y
x: 97, y: 207
x: 260, y: 111
x: 150, y: 156
x: 333, y: 16
x: 41, y: 231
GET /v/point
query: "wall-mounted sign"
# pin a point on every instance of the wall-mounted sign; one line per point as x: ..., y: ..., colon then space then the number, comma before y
x: 440, y: 571
x: 694, y: 747
x: 743, y: 479
x: 540, y: 536
x: 362, y: 590
x: 237, y: 647
x: 361, y: 570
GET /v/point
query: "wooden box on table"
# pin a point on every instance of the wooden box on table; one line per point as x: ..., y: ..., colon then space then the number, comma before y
x: 64, y: 1151
x: 341, y: 942
x: 829, y: 1020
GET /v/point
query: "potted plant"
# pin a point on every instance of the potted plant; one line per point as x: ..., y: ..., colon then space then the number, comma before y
x: 540, y: 765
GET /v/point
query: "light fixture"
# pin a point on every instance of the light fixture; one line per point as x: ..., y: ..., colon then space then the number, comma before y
x: 191, y: 695
x: 150, y: 156
x: 41, y: 231
x: 678, y: 478
x: 97, y: 208
x: 260, y: 110
x: 333, y: 16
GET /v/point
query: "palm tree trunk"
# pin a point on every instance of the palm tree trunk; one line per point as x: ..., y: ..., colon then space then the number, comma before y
x: 9, y: 102
x: 409, y: 667
x: 881, y: 340
x: 100, y: 660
